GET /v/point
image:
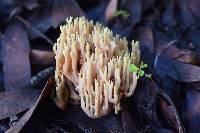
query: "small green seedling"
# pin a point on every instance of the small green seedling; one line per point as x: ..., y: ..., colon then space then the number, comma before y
x: 139, y: 71
x: 121, y: 13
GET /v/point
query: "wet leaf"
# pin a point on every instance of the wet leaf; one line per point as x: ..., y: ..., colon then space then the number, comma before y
x: 15, y: 57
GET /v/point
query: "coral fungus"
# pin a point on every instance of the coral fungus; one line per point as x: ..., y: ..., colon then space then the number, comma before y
x: 97, y: 63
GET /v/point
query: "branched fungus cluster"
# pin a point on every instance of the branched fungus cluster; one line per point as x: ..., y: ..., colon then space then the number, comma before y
x: 94, y: 64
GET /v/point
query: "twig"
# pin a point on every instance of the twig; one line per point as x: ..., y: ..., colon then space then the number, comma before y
x: 35, y: 29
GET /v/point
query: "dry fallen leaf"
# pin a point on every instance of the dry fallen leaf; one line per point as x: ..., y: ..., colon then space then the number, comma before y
x: 177, y: 70
x: 41, y: 57
x: 15, y: 57
x: 145, y: 36
x: 193, y: 107
x: 134, y: 7
x: 182, y: 55
x: 45, y: 17
x: 44, y: 95
x: 110, y: 10
x: 63, y: 9
x: 17, y: 100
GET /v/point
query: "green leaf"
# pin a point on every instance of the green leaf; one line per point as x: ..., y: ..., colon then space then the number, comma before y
x: 121, y: 13
x: 133, y: 68
x: 141, y: 73
x: 142, y: 65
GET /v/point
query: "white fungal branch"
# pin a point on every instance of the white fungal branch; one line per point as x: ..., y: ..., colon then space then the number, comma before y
x: 97, y: 63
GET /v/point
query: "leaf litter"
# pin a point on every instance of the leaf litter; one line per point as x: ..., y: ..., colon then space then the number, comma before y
x: 169, y: 37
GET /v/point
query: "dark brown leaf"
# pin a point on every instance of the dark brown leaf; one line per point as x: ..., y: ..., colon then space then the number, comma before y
x: 168, y: 15
x: 134, y: 7
x: 169, y: 111
x: 128, y: 124
x: 146, y: 39
x: 141, y: 107
x: 33, y: 30
x: 193, y: 108
x: 182, y: 55
x: 194, y: 7
x: 16, y: 101
x: 185, y: 12
x: 45, y: 17
x: 177, y: 70
x: 147, y: 4
x: 30, y: 4
x: 15, y: 54
x: 41, y: 57
x: 43, y: 96
x: 195, y: 38
x: 162, y: 131
x: 169, y: 114
x: 40, y: 19
x: 63, y: 9
x: 166, y: 46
